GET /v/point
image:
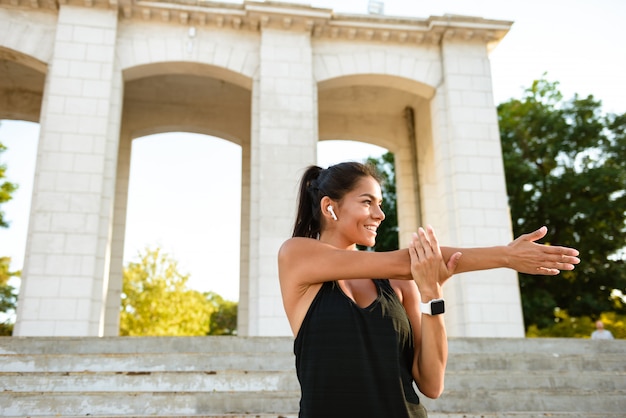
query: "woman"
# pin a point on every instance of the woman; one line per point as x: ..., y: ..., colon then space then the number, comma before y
x: 362, y: 337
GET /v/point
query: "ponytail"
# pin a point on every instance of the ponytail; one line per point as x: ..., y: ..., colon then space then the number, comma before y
x: 308, y: 215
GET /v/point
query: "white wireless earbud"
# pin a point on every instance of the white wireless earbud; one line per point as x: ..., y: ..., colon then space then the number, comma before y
x: 332, y: 212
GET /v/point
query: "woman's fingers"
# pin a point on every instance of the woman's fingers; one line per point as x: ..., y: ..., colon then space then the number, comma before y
x: 558, y: 258
x: 533, y: 258
x: 427, y: 240
x: 453, y: 262
x: 424, y: 246
x: 434, y: 242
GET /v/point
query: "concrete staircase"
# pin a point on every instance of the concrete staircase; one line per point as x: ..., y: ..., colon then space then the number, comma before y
x: 255, y: 377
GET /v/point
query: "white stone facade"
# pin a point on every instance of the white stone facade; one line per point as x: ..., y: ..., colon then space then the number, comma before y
x: 273, y: 78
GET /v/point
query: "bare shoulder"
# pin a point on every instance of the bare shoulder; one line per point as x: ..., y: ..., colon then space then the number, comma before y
x: 294, y: 258
x: 301, y: 251
x: 292, y: 250
x: 293, y: 273
x: 294, y: 244
x: 298, y: 245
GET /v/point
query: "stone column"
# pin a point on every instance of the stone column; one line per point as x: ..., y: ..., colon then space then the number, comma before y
x: 244, y: 246
x: 469, y: 199
x: 116, y: 265
x: 283, y: 143
x: 67, y: 255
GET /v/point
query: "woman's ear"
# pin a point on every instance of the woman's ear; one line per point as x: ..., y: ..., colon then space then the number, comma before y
x: 327, y: 207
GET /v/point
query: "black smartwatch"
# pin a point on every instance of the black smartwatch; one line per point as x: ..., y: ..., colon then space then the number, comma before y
x: 433, y: 307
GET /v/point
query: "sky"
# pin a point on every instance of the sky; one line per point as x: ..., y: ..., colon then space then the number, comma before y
x: 578, y: 43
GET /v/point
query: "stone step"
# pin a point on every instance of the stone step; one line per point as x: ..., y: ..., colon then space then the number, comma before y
x: 127, y: 404
x: 430, y: 415
x: 233, y: 380
x: 148, y: 362
x: 534, y: 414
x: 139, y: 345
x: 144, y: 345
x: 256, y: 361
x: 541, y: 401
x: 554, y: 346
x: 480, y: 402
x: 541, y: 380
x: 245, y: 377
x: 460, y: 362
x: 87, y: 382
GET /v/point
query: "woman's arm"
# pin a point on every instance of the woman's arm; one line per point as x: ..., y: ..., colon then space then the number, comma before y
x: 310, y: 261
x: 429, y: 331
x: 523, y: 255
x: 430, y: 342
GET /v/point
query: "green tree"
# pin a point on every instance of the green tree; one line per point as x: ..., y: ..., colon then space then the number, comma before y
x: 224, y: 316
x: 387, y: 234
x: 566, y: 168
x: 566, y: 326
x: 157, y: 302
x: 6, y: 189
x: 8, y: 296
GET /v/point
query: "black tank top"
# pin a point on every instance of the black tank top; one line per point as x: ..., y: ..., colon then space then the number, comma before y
x: 353, y: 361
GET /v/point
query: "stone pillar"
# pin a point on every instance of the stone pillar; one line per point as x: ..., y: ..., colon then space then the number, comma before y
x: 283, y: 143
x: 471, y: 194
x: 244, y: 246
x: 116, y: 268
x: 409, y: 158
x: 67, y: 255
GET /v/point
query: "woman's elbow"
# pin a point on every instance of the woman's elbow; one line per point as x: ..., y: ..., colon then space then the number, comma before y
x: 432, y: 391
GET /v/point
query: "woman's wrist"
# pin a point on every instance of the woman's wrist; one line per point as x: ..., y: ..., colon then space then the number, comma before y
x: 401, y: 264
x: 429, y: 293
x: 507, y: 255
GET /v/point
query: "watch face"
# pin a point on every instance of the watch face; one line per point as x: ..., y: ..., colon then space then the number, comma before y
x: 437, y: 307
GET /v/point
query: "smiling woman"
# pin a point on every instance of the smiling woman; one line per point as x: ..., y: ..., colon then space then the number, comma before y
x: 368, y: 325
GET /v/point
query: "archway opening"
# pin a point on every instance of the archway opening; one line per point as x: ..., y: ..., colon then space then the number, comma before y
x: 331, y: 152
x: 188, y: 203
x: 20, y: 138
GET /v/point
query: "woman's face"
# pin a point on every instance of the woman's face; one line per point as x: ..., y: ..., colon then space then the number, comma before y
x: 359, y: 213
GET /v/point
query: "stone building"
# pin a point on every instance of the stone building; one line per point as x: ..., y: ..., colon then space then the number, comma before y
x: 274, y: 78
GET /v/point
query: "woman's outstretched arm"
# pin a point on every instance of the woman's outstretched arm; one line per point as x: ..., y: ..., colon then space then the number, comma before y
x: 312, y: 261
x: 524, y: 255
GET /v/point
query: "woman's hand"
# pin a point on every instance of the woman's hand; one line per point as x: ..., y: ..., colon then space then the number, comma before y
x: 427, y: 265
x: 527, y: 256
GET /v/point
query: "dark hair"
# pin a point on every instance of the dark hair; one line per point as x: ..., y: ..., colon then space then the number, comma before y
x: 334, y: 182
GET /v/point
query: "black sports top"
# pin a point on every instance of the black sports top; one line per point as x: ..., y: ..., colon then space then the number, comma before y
x: 353, y: 361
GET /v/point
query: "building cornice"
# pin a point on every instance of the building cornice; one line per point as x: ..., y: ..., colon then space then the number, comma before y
x: 320, y: 22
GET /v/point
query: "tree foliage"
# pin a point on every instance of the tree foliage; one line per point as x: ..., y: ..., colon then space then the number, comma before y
x: 8, y: 296
x: 566, y: 326
x: 6, y: 189
x: 157, y: 302
x: 387, y: 234
x: 224, y: 316
x: 566, y: 168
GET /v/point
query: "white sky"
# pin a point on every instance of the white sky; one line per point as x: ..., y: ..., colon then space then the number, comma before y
x: 579, y: 43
